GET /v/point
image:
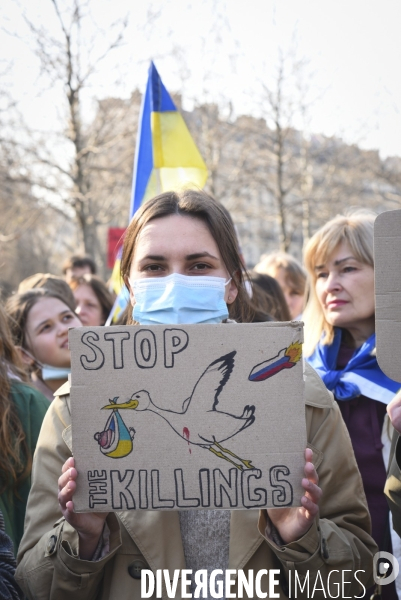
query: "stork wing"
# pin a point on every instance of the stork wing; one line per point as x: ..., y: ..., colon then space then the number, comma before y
x: 209, y: 385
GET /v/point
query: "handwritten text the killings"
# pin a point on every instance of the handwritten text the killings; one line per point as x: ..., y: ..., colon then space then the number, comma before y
x: 141, y: 489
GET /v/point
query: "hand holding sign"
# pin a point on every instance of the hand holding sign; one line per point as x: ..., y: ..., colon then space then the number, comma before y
x: 394, y: 412
x: 89, y: 526
x: 293, y: 523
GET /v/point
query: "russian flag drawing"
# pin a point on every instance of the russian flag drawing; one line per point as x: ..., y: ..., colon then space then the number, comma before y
x: 285, y: 359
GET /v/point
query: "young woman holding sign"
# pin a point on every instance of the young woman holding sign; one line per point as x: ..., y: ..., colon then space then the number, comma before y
x: 184, y: 240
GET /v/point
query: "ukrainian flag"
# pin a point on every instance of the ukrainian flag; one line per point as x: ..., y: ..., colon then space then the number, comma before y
x: 122, y: 299
x: 166, y: 158
x: 115, y: 282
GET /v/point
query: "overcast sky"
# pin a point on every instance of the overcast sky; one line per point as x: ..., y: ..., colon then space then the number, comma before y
x: 221, y: 51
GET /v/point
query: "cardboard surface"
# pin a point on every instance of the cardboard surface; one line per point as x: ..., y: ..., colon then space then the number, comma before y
x: 387, y: 251
x: 184, y: 417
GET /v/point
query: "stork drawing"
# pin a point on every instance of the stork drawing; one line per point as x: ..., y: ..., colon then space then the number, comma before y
x: 200, y: 422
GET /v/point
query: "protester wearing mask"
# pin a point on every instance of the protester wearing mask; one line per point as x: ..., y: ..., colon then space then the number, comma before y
x: 39, y: 320
x: 181, y: 264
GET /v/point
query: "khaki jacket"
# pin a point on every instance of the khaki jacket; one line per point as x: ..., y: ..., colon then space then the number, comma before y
x: 49, y: 566
x: 393, y: 483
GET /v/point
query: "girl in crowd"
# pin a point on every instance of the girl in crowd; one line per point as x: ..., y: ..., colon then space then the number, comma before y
x: 94, y: 301
x: 39, y: 321
x: 291, y: 277
x: 182, y: 238
x: 22, y: 409
x: 50, y: 282
x: 268, y: 296
x: 340, y: 343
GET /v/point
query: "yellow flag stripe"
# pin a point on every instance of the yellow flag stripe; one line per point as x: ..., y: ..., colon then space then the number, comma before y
x: 173, y: 146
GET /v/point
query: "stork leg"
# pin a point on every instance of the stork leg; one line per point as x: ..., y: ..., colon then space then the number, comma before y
x: 221, y: 455
x: 248, y: 463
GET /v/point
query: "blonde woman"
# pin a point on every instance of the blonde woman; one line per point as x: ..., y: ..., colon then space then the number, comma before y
x: 340, y: 344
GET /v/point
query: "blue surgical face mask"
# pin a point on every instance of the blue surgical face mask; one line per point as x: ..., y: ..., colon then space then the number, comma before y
x: 49, y: 373
x: 179, y: 299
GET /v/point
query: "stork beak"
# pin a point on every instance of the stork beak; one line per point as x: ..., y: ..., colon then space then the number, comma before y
x: 130, y: 404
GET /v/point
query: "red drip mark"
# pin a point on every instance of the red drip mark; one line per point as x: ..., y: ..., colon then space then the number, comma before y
x: 185, y: 433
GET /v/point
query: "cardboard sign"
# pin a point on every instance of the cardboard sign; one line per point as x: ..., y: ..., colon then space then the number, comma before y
x: 387, y: 250
x: 185, y: 417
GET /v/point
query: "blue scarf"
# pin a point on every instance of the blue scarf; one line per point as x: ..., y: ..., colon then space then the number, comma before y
x: 361, y: 376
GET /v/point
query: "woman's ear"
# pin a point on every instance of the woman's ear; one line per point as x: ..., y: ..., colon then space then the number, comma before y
x: 26, y: 356
x: 131, y: 293
x: 231, y: 291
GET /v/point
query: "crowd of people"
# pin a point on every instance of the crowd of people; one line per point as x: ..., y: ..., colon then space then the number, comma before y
x: 352, y: 409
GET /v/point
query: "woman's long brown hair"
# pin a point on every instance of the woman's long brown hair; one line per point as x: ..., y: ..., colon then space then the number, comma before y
x: 15, y: 456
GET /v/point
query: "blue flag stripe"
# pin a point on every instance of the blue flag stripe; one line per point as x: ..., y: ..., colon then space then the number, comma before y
x: 143, y: 163
x: 160, y: 99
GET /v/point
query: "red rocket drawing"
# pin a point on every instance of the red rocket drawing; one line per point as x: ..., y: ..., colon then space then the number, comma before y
x: 285, y: 359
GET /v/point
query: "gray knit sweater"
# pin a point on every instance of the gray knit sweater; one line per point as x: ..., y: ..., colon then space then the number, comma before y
x: 205, y: 537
